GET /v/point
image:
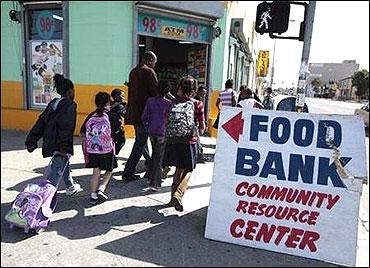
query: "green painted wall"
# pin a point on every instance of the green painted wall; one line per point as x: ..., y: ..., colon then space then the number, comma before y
x: 11, y: 53
x: 218, y: 65
x: 100, y: 47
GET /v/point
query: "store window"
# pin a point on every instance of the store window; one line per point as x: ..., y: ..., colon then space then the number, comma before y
x: 44, y: 37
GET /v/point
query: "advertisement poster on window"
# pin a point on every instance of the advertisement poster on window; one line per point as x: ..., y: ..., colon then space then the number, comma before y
x: 46, y: 60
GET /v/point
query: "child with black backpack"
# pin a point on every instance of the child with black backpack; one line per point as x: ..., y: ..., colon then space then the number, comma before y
x: 56, y: 126
x: 118, y: 111
x: 99, y: 145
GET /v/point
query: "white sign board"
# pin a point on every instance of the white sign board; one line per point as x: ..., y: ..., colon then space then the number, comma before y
x: 288, y: 182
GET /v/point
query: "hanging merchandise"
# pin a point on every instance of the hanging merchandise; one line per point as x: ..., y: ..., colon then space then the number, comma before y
x: 171, y: 72
x: 197, y: 64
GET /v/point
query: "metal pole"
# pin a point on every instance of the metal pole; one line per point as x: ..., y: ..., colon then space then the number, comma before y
x: 303, y: 72
x: 273, y: 66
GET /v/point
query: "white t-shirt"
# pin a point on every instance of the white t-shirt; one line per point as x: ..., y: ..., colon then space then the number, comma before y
x: 250, y: 103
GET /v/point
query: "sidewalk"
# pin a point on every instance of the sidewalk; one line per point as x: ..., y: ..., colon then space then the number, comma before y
x: 130, y: 229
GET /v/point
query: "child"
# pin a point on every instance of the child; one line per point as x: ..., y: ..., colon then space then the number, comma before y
x: 247, y: 99
x: 226, y: 98
x: 99, y: 144
x: 154, y: 119
x: 56, y: 126
x: 268, y: 101
x: 200, y: 96
x: 118, y: 111
x: 183, y: 154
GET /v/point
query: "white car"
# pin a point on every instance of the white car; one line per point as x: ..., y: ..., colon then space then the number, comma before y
x: 364, y: 114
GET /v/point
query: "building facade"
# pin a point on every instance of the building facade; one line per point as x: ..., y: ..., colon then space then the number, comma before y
x: 330, y: 73
x: 345, y: 89
x: 97, y: 43
x: 242, y: 45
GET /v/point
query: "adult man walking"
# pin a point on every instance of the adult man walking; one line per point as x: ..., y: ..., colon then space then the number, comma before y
x: 142, y: 85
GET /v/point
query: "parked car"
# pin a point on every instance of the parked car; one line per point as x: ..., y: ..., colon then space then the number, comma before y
x: 363, y: 112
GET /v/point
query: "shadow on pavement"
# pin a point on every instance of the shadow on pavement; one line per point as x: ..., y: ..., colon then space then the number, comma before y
x: 18, y: 138
x: 14, y: 235
x: 82, y: 180
x: 81, y: 226
x: 72, y: 166
x: 180, y: 242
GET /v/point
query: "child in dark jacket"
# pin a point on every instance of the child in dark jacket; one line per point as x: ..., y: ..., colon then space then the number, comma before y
x: 56, y: 126
x: 154, y: 119
x: 118, y: 111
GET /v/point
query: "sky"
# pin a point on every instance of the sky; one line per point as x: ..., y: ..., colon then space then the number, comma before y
x: 340, y: 32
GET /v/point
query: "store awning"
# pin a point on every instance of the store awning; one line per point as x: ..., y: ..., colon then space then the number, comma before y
x: 211, y: 9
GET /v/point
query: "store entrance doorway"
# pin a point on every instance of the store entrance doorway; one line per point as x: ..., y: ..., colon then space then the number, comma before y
x: 177, y: 59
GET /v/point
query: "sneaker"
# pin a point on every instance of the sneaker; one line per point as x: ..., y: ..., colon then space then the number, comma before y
x: 75, y: 188
x: 154, y: 189
x: 150, y: 189
x: 177, y: 204
x: 145, y: 190
x: 93, y: 201
x: 102, y: 196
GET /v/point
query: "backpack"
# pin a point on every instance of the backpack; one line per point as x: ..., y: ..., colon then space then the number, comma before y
x: 181, y: 124
x: 267, y: 103
x: 98, y: 139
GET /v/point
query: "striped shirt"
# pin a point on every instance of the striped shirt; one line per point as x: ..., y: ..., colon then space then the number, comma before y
x: 226, y: 97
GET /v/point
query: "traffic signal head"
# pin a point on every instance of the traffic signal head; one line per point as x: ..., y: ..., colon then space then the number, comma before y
x: 272, y: 17
x: 263, y: 18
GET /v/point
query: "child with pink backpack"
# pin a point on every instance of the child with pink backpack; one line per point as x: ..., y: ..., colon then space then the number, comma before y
x: 99, y: 146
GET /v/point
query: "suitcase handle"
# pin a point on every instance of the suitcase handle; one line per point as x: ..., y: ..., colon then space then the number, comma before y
x: 63, y: 170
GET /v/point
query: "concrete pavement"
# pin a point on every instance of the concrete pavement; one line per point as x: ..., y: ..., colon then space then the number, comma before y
x: 130, y: 229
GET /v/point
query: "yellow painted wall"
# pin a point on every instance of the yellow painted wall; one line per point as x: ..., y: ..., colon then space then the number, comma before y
x: 213, y: 113
x: 11, y: 95
x: 14, y: 116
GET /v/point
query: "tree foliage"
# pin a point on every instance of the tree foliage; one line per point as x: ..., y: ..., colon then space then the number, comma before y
x: 360, y: 80
x: 316, y: 82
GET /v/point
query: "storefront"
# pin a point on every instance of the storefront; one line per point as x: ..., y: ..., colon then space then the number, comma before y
x: 240, y: 57
x: 96, y: 45
x: 181, y: 40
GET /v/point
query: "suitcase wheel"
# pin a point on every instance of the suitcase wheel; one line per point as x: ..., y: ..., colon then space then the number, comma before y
x: 39, y: 230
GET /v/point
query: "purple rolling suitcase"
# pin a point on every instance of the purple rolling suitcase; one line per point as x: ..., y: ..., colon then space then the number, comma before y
x: 33, y: 206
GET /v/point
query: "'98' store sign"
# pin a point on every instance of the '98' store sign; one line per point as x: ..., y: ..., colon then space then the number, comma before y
x: 157, y: 26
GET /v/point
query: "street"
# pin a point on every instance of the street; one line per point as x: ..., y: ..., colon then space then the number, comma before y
x: 134, y: 228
